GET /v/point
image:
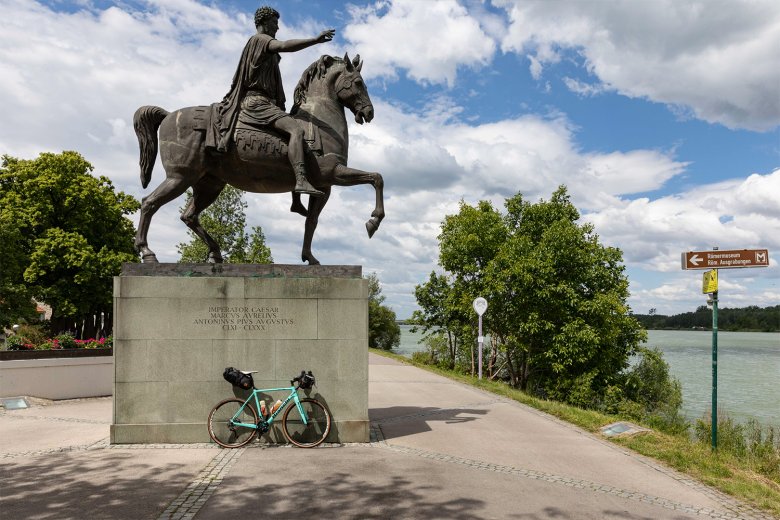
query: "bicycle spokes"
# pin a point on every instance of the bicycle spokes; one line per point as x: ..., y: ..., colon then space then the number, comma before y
x: 308, y: 429
x: 231, y: 424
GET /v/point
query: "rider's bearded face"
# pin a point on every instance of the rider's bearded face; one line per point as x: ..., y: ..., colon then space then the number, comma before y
x: 270, y: 26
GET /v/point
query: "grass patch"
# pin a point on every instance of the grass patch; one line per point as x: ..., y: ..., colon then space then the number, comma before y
x: 739, y: 477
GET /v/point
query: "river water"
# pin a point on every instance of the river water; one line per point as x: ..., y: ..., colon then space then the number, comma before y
x: 748, y: 370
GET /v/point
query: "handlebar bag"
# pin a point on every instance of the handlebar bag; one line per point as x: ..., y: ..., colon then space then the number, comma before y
x: 307, y: 381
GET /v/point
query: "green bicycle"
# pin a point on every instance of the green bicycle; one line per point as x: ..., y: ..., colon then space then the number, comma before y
x: 234, y: 423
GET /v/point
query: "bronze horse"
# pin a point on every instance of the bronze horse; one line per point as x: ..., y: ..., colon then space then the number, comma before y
x: 257, y: 160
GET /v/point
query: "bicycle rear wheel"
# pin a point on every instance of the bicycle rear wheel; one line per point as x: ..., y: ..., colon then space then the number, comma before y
x: 315, y: 430
x: 222, y: 429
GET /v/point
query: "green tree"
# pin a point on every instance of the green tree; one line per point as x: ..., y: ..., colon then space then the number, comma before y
x: 439, y: 318
x: 383, y: 330
x: 225, y: 221
x: 65, y: 234
x: 16, y: 303
x: 567, y: 295
x: 558, y: 315
x: 750, y: 318
x: 468, y: 242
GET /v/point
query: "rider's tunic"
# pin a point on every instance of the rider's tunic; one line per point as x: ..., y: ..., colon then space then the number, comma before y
x: 256, y: 96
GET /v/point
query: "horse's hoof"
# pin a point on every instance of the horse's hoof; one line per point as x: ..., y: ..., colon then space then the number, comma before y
x: 214, y: 259
x: 149, y: 258
x: 371, y: 227
x: 310, y: 259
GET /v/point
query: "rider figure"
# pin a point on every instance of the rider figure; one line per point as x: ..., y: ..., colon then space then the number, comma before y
x: 256, y: 96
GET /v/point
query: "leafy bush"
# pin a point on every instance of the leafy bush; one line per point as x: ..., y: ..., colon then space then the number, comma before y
x: 35, y: 333
x: 17, y: 342
x: 435, y: 353
x: 63, y: 341
x: 423, y: 357
x: 649, y: 384
x: 66, y: 340
x: 48, y: 345
x: 579, y: 391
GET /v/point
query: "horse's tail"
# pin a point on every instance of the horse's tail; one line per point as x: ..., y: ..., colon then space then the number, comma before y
x: 146, y: 121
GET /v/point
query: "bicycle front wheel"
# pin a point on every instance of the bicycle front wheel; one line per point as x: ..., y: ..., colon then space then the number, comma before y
x: 222, y: 423
x: 315, y: 429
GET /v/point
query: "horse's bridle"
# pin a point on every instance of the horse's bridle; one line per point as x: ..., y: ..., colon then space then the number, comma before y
x: 343, y: 83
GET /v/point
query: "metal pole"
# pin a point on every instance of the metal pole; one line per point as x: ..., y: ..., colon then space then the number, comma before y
x: 480, y: 306
x: 480, y: 339
x: 715, y: 370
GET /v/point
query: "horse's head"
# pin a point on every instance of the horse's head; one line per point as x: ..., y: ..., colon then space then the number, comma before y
x: 351, y: 90
x: 341, y: 77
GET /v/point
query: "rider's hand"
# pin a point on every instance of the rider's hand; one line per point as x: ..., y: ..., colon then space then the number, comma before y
x: 326, y: 36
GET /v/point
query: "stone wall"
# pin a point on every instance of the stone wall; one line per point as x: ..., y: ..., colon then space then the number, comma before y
x: 57, y: 378
x: 178, y: 326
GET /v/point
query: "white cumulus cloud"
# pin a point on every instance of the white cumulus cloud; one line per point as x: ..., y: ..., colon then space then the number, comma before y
x: 430, y: 39
x: 718, y: 60
x: 737, y: 214
x: 75, y: 81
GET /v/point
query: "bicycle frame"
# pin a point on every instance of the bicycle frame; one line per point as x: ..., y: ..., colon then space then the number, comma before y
x: 270, y: 420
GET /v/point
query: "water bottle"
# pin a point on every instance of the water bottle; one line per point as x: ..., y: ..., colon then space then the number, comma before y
x: 277, y: 404
x: 263, y: 411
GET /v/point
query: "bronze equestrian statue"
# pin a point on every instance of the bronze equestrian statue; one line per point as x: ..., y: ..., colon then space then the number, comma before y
x: 249, y: 142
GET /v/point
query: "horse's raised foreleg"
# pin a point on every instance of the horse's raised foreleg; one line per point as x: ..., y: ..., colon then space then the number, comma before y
x: 346, y: 176
x: 312, y: 218
x: 168, y: 190
x: 204, y: 193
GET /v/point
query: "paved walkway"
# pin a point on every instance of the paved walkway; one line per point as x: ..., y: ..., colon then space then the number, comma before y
x: 439, y: 449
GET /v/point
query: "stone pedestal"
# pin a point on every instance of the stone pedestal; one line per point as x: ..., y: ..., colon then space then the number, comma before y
x: 177, y: 326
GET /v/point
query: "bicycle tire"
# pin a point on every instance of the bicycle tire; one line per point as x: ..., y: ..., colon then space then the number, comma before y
x: 306, y: 435
x: 220, y: 430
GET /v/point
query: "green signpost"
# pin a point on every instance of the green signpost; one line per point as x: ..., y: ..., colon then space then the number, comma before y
x: 715, y: 370
x: 723, y: 260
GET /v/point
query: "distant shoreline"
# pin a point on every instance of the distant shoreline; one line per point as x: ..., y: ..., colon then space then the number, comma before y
x: 694, y: 329
x: 746, y: 319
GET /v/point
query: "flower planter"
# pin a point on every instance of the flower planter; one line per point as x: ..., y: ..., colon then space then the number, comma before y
x: 12, y: 355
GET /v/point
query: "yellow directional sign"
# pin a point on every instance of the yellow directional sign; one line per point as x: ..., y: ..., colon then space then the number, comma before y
x: 710, y: 282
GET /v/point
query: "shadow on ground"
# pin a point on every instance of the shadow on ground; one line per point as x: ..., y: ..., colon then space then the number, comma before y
x: 93, y: 484
x: 399, y: 421
x: 341, y: 495
x: 555, y: 513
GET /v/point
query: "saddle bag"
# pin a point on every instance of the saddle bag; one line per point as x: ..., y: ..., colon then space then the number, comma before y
x: 238, y: 378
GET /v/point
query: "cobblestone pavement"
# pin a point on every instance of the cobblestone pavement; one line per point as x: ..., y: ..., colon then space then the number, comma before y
x: 198, y: 492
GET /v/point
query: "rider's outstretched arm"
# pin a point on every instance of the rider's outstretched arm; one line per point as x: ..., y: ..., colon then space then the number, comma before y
x: 297, y: 45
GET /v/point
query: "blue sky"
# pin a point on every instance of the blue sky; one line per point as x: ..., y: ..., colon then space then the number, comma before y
x: 662, y: 118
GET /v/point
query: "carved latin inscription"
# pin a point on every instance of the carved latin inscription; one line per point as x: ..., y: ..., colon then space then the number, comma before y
x: 244, y: 318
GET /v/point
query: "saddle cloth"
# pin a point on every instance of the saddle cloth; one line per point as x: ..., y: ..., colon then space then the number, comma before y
x: 265, y: 140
